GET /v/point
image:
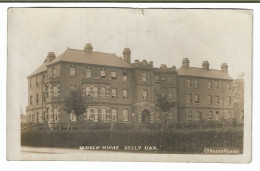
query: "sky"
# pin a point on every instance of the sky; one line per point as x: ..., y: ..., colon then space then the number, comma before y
x: 164, y: 36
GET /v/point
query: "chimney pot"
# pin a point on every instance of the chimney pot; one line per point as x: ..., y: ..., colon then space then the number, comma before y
x: 186, y: 63
x: 88, y: 47
x: 127, y: 55
x: 51, y: 56
x: 224, y: 67
x: 205, y: 64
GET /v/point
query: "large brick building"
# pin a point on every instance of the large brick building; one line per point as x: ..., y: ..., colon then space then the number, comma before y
x: 115, y: 89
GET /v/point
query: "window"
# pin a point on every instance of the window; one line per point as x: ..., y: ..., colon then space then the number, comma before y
x: 125, y: 94
x: 55, y: 111
x: 189, y: 115
x: 198, y: 115
x: 228, y: 85
x: 144, y: 77
x: 210, y: 115
x: 88, y: 72
x: 37, y: 81
x: 31, y: 100
x: 95, y: 91
x: 104, y: 114
x: 72, y: 71
x: 72, y: 117
x: 113, y: 74
x: 103, y: 91
x: 37, y: 98
x: 125, y: 115
x: 47, y: 114
x: 30, y: 83
x: 163, y: 79
x: 189, y: 98
x: 114, y: 115
x: 145, y: 94
x: 217, y: 84
x: 114, y: 93
x: 217, y: 117
x: 209, y: 84
x: 229, y: 100
x: 37, y: 117
x: 87, y: 91
x: 217, y: 99
x: 169, y: 78
x: 210, y: 99
x: 196, y: 83
x: 92, y: 114
x: 197, y: 98
x: 124, y: 76
x: 156, y: 79
x: 96, y: 114
x: 103, y: 73
x: 230, y: 116
x: 189, y: 82
x: 55, y: 91
x: 53, y: 71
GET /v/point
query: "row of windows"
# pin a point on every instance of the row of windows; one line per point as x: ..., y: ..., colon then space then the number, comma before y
x: 104, y: 92
x: 211, y: 115
x: 95, y: 114
x: 197, y: 99
x: 102, y: 73
x: 216, y: 83
x: 36, y: 82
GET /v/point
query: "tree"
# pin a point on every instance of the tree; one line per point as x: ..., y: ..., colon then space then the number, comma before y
x: 75, y: 103
x: 164, y: 103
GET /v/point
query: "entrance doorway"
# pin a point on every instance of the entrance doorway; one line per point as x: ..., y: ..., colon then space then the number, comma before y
x: 145, y: 116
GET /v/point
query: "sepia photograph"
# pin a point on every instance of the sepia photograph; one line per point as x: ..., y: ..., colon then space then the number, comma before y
x: 125, y: 84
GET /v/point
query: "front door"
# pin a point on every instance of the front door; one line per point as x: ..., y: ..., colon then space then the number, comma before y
x: 145, y: 116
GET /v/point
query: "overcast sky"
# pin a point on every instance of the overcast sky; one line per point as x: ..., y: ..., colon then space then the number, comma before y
x: 161, y: 36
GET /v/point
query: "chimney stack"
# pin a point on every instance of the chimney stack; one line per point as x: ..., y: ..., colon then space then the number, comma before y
x: 224, y: 67
x: 51, y: 56
x: 88, y: 48
x: 127, y: 55
x: 205, y: 64
x: 186, y: 63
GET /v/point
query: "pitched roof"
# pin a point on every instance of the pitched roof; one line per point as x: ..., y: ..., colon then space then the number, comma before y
x: 80, y: 56
x: 201, y: 72
x: 39, y: 69
x: 98, y: 58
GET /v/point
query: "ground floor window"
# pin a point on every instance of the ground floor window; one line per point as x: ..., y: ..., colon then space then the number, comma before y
x: 114, y: 115
x: 125, y: 115
x: 189, y: 115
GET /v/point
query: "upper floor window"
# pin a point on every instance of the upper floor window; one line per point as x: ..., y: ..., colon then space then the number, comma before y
x: 169, y: 78
x: 37, y: 98
x: 156, y: 79
x: 103, y: 73
x: 217, y: 84
x: 217, y: 99
x: 210, y: 99
x: 72, y: 71
x: 145, y: 94
x: 196, y: 83
x: 124, y: 76
x: 189, y: 82
x: 163, y: 79
x: 113, y: 93
x: 103, y: 91
x: 189, y: 98
x: 114, y: 115
x: 30, y: 82
x: 228, y: 86
x: 197, y: 98
x: 209, y: 84
x: 144, y: 77
x: 53, y: 71
x: 55, y: 90
x: 92, y: 91
x: 125, y: 94
x: 31, y: 100
x: 198, y: 115
x: 37, y: 81
x: 210, y: 115
x: 113, y: 74
x: 125, y: 115
x: 88, y: 72
x: 229, y: 100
